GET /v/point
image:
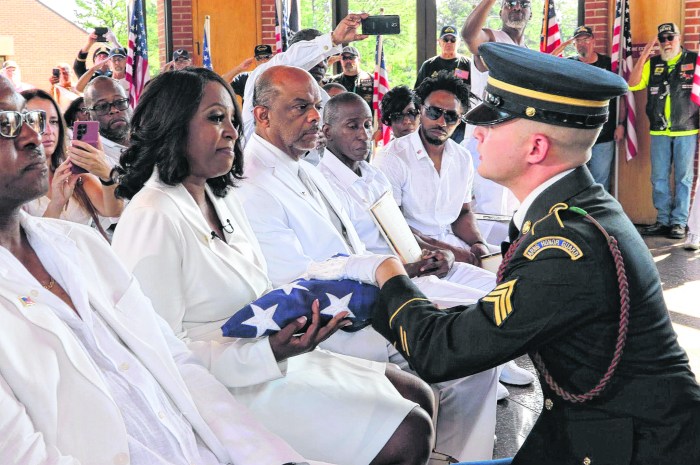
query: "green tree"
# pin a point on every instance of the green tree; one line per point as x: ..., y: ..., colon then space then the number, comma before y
x: 112, y: 14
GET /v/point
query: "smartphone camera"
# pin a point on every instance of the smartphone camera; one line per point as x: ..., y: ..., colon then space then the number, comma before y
x: 101, y: 32
x: 56, y: 72
x: 82, y: 129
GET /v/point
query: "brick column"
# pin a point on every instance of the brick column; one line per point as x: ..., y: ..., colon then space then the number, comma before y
x: 268, y: 22
x: 597, y: 16
x: 182, y: 26
x: 691, y: 29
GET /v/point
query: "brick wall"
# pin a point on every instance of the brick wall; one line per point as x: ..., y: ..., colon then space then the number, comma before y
x: 182, y: 26
x: 42, y: 39
x: 268, y: 22
x: 598, y: 17
x: 691, y: 29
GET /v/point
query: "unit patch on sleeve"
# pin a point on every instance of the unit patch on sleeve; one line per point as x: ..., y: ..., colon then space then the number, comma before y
x: 501, y: 297
x: 553, y: 242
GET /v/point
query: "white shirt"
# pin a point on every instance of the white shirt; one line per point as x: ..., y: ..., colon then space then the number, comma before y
x: 430, y: 201
x: 113, y: 151
x: 157, y: 433
x: 304, y: 54
x: 357, y: 194
x: 519, y: 216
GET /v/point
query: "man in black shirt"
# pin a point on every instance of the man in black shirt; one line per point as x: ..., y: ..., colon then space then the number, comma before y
x: 262, y: 54
x: 603, y: 151
x: 448, y: 60
x: 353, y: 78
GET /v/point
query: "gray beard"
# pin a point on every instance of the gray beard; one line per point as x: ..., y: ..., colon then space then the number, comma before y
x: 665, y: 56
x: 516, y: 24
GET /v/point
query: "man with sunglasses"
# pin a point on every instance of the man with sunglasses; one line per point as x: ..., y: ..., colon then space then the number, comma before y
x: 673, y: 120
x: 431, y: 175
x: 353, y: 78
x: 107, y: 103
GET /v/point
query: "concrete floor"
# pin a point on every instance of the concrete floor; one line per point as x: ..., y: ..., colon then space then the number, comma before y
x: 680, y: 274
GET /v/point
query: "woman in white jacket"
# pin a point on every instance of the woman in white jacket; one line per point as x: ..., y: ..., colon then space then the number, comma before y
x: 185, y: 237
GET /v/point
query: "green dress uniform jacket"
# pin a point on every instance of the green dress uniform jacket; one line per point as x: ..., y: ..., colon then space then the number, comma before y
x: 559, y: 297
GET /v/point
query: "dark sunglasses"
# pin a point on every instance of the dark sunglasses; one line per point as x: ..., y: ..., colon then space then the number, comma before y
x: 398, y: 116
x: 666, y: 38
x: 434, y: 113
x: 263, y: 57
x: 347, y: 57
x: 11, y: 122
x: 512, y: 3
x: 451, y: 40
x: 103, y: 108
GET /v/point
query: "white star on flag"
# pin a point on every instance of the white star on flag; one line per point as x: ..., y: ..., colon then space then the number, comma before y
x: 262, y: 319
x: 338, y: 305
x: 289, y: 287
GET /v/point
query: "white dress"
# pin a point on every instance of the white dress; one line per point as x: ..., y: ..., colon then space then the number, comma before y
x: 328, y: 407
x: 73, y: 211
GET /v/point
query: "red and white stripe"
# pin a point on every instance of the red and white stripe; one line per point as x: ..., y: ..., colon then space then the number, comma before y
x: 622, y: 64
x: 381, y: 87
x: 552, y: 38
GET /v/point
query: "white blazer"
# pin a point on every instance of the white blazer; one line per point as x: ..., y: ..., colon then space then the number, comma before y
x: 290, y: 226
x: 55, y: 406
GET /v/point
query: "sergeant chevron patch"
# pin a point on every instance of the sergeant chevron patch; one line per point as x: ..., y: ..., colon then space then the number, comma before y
x: 501, y: 298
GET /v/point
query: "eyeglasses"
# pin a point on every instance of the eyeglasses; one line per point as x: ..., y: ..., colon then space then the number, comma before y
x: 11, y: 122
x: 451, y: 40
x: 398, y: 116
x: 103, y: 108
x: 347, y: 57
x: 434, y: 113
x: 511, y: 3
x: 666, y: 38
x: 263, y: 57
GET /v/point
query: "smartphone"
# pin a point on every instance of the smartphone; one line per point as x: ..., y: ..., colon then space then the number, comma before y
x: 88, y: 132
x: 383, y: 24
x: 56, y: 72
x: 100, y: 32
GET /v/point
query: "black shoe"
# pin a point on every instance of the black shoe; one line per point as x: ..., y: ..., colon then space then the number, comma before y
x: 677, y: 232
x: 656, y: 229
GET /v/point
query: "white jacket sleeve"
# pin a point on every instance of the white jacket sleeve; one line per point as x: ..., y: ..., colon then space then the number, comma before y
x: 151, y: 247
x: 20, y: 442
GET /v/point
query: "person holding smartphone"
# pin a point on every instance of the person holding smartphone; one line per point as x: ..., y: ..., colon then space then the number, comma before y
x: 73, y: 196
x: 62, y: 85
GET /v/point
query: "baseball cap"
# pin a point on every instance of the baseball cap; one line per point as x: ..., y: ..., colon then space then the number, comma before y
x: 582, y: 31
x: 448, y: 31
x: 118, y: 52
x: 262, y: 51
x: 10, y: 64
x: 669, y: 28
x: 350, y: 50
x: 181, y: 53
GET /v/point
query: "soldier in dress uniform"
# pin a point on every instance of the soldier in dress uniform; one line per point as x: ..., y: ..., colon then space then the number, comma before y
x: 577, y: 290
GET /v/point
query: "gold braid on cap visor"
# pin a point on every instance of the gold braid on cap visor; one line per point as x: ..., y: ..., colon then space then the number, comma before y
x: 543, y: 96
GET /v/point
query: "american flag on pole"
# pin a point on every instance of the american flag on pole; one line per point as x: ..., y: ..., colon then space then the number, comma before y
x: 695, y: 91
x: 622, y: 64
x: 137, y: 56
x: 206, y: 50
x: 281, y: 26
x: 550, y: 38
x: 381, y: 87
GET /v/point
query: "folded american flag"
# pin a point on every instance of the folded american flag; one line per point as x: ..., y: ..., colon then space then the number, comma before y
x: 282, y: 305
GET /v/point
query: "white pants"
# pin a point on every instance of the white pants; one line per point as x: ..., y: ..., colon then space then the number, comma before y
x: 466, y: 420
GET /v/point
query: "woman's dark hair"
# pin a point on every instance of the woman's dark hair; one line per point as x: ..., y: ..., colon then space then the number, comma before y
x: 160, y: 128
x: 59, y: 154
x: 71, y: 113
x: 448, y: 82
x: 396, y: 100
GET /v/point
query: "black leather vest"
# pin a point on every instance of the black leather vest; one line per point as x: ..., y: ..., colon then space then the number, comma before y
x: 678, y: 83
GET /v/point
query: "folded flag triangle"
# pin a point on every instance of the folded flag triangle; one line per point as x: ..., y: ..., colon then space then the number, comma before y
x: 279, y: 307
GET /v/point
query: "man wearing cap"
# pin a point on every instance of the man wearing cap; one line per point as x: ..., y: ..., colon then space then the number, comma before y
x: 262, y: 53
x: 10, y: 69
x: 98, y: 56
x: 573, y: 291
x: 673, y: 120
x: 603, y: 152
x: 448, y: 60
x: 353, y: 78
x: 117, y: 63
x: 181, y: 59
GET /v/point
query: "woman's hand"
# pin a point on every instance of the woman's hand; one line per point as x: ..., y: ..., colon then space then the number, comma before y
x: 90, y: 158
x: 62, y: 186
x: 285, y: 344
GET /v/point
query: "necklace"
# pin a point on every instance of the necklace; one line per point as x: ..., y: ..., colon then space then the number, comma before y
x: 50, y: 284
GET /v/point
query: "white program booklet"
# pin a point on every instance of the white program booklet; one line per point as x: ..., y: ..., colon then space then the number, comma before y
x: 392, y: 224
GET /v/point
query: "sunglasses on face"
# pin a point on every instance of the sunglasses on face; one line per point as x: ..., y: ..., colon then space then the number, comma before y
x: 511, y: 3
x: 451, y: 40
x: 263, y: 57
x: 666, y: 38
x: 103, y: 108
x: 398, y: 116
x: 11, y: 122
x: 434, y: 113
x: 347, y: 57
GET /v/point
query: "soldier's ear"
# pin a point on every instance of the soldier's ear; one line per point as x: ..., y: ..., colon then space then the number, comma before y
x: 262, y: 116
x: 538, y: 146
